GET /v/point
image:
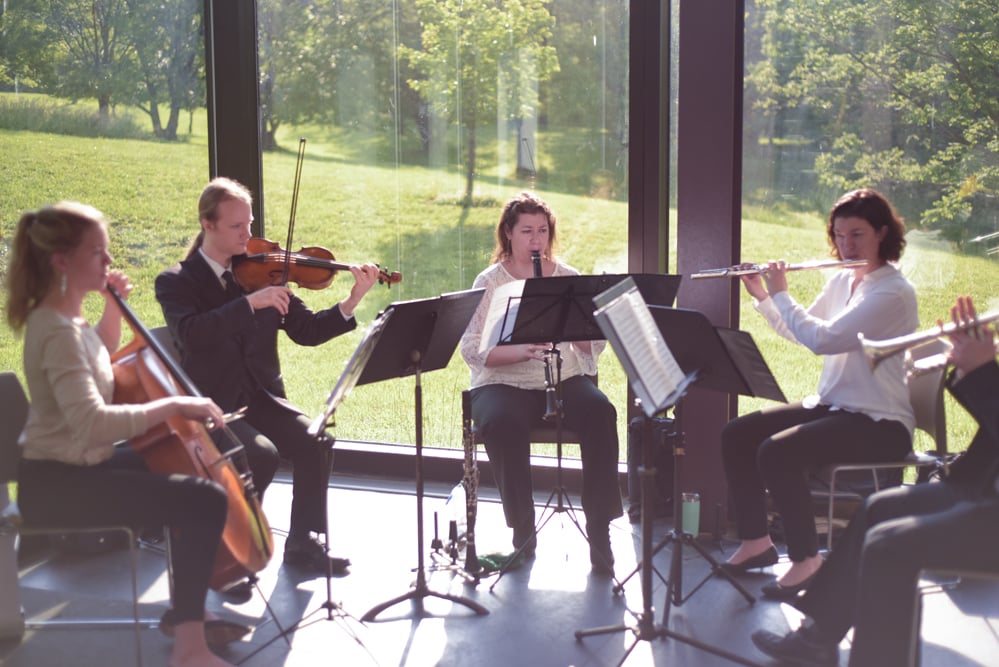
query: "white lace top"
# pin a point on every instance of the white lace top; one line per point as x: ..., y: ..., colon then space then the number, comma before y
x: 524, y: 374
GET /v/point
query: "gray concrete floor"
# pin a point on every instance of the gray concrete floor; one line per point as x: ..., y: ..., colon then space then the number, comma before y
x: 534, y: 611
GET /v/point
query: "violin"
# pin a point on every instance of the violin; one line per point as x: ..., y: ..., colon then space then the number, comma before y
x: 145, y: 371
x: 266, y: 263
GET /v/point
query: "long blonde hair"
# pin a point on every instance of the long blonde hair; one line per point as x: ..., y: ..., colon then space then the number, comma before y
x: 57, y: 228
x: 218, y: 190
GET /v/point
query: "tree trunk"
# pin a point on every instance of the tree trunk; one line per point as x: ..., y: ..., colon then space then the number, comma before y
x: 170, y: 131
x: 470, y: 173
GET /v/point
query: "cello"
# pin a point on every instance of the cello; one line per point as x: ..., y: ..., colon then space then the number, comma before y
x: 145, y: 371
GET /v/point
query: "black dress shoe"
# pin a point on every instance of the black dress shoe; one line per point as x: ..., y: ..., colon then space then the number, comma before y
x: 764, y: 559
x: 776, y: 591
x: 239, y: 592
x: 800, y: 648
x: 310, y: 554
x: 525, y: 540
x: 601, y: 556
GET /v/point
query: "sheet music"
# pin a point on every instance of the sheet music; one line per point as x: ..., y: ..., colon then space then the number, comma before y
x: 636, y: 339
x: 502, y: 314
x: 352, y: 371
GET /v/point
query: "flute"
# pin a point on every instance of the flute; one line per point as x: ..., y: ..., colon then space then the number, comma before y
x: 752, y: 269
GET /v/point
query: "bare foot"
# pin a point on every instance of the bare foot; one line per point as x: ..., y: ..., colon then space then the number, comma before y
x: 800, y: 571
x: 190, y: 648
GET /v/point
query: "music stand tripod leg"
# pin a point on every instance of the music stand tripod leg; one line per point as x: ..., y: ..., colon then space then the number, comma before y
x: 662, y: 544
x: 334, y: 610
x: 548, y: 513
x: 420, y: 589
x: 678, y: 536
x: 645, y: 628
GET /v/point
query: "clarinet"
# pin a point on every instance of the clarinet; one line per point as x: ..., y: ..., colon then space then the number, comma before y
x: 470, y: 480
x: 549, y: 387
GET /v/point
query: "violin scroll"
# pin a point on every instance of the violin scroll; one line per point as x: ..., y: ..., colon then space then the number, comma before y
x: 388, y: 279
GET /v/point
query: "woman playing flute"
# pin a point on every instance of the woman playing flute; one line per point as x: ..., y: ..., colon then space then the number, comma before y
x: 857, y: 416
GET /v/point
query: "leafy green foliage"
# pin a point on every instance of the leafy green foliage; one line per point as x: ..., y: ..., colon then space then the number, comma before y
x: 895, y: 94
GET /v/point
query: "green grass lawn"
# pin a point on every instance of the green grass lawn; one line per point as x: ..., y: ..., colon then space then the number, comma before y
x: 407, y: 219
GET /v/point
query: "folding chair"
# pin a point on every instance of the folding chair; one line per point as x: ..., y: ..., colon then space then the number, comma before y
x: 926, y: 394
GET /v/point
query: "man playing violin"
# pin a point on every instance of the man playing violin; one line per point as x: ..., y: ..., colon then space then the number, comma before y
x: 227, y: 339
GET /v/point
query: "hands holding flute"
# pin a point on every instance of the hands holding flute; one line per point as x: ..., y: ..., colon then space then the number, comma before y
x: 770, y: 279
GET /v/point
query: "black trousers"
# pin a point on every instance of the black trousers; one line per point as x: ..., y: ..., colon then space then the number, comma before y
x: 504, y: 416
x: 775, y: 448
x: 273, y: 429
x: 870, y: 579
x: 122, y: 491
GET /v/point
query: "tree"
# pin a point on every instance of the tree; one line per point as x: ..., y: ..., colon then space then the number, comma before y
x: 901, y: 93
x: 327, y: 61
x: 480, y: 60
x: 167, y: 38
x: 94, y: 56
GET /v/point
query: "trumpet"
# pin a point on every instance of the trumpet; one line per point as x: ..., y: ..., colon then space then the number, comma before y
x: 752, y: 269
x: 877, y: 351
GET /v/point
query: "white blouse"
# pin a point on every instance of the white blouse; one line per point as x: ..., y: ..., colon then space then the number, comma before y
x: 882, y: 306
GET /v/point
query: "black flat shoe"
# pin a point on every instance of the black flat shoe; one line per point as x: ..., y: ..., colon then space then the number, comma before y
x: 776, y: 591
x: 764, y: 559
x: 797, y: 648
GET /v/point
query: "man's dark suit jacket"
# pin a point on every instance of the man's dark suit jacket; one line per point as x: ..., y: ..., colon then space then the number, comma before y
x: 228, y: 350
x: 978, y: 393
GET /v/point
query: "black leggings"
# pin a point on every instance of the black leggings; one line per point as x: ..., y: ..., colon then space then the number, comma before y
x: 123, y: 491
x: 774, y: 449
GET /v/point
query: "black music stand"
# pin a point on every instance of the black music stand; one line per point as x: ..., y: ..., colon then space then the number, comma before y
x: 728, y: 361
x: 559, y: 310
x: 723, y: 361
x: 317, y: 429
x: 422, y: 336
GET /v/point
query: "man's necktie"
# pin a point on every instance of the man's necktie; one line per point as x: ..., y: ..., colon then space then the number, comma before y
x: 231, y: 288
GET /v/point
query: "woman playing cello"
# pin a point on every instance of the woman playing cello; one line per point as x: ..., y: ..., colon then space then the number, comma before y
x: 71, y: 472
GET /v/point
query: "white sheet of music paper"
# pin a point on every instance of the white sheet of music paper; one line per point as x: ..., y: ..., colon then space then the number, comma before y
x: 502, y: 314
x: 656, y: 377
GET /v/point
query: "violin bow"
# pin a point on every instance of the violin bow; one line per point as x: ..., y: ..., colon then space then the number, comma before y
x: 294, y: 208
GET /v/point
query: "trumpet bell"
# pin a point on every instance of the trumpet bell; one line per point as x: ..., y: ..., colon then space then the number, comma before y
x: 876, y: 351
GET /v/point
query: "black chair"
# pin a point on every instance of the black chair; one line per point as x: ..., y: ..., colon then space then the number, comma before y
x: 13, y: 414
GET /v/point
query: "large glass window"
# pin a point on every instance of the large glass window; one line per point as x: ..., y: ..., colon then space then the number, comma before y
x: 103, y: 102
x: 899, y: 96
x: 421, y: 117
